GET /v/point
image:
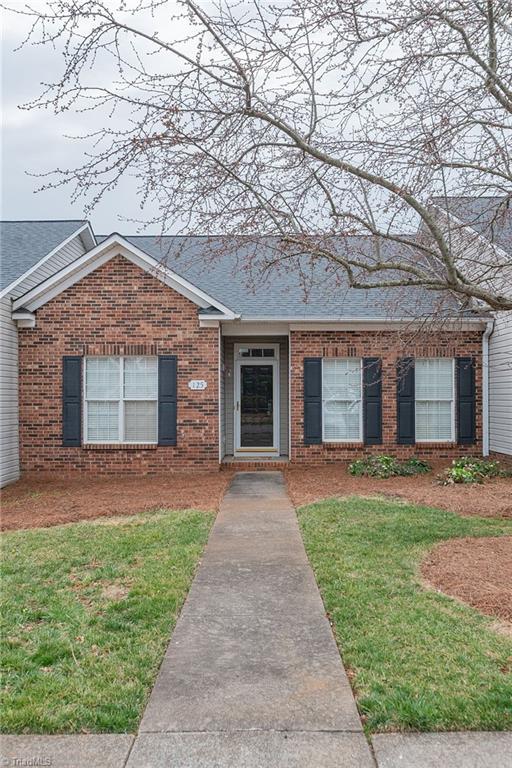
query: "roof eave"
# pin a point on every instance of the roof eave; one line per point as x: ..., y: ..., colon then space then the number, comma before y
x: 102, y: 253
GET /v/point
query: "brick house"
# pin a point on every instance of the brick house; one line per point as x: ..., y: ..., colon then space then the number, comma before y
x: 143, y: 354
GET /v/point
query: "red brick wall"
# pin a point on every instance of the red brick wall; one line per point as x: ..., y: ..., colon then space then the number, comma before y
x: 117, y: 309
x: 389, y: 346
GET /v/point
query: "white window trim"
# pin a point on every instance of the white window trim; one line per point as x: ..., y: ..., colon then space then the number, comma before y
x: 451, y: 439
x: 351, y: 439
x: 120, y: 401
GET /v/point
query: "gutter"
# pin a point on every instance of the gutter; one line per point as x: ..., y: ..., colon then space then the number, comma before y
x: 489, y: 328
x: 477, y: 320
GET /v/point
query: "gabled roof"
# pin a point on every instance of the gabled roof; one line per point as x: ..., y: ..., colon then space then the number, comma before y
x: 23, y: 244
x: 490, y: 217
x: 109, y: 247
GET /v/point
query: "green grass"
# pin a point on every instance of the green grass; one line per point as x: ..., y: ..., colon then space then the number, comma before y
x: 87, y: 611
x: 420, y: 660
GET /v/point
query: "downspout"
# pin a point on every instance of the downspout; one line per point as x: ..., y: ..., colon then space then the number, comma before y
x: 489, y: 328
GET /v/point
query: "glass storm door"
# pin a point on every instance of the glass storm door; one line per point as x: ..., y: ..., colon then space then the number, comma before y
x: 256, y: 399
x: 256, y: 406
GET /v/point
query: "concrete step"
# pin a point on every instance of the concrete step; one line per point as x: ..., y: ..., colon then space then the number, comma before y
x: 253, y: 463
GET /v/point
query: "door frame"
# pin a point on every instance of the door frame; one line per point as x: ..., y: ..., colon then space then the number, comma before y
x: 274, y: 362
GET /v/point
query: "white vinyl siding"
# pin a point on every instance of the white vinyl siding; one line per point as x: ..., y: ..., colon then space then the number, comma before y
x: 434, y: 383
x: 121, y: 399
x: 9, y: 410
x: 341, y: 400
x: 9, y: 458
x: 500, y: 385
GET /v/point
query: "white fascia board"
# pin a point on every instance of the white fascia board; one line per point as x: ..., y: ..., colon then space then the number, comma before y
x: 242, y: 328
x: 455, y: 324
x: 209, y: 322
x: 247, y: 326
x: 24, y: 319
x: 113, y: 246
x: 85, y: 232
x: 306, y: 323
x: 88, y: 237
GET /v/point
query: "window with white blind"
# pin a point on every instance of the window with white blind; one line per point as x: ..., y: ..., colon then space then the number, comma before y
x: 434, y: 384
x: 341, y: 399
x: 121, y: 399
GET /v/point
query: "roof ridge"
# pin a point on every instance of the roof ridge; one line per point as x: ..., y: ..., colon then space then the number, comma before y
x: 320, y: 234
x: 43, y: 221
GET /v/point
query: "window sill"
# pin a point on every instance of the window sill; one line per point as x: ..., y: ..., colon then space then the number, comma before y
x: 435, y: 443
x: 333, y: 444
x: 119, y: 446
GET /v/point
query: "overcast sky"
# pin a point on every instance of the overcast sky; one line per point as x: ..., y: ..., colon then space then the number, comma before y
x: 34, y: 141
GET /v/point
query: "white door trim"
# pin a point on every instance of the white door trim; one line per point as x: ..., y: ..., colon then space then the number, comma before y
x: 239, y: 361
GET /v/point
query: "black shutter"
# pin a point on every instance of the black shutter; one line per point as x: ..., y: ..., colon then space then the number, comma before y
x: 372, y: 400
x: 312, y: 400
x: 466, y: 401
x: 167, y: 399
x: 405, y: 406
x: 72, y: 401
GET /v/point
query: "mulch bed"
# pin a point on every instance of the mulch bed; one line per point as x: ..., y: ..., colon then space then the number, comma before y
x: 39, y: 501
x: 491, y: 499
x: 477, y: 571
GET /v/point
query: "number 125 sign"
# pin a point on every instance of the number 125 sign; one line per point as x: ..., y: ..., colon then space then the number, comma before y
x: 197, y: 384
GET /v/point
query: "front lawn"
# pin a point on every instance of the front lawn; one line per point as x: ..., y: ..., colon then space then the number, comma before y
x: 87, y: 612
x: 418, y: 660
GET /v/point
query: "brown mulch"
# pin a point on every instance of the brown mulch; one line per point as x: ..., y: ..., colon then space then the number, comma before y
x: 39, y: 501
x: 491, y: 499
x: 477, y: 571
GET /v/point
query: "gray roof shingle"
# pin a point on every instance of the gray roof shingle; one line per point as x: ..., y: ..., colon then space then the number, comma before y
x: 240, y: 274
x: 24, y: 243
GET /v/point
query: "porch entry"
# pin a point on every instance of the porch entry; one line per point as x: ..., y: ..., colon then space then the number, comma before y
x: 256, y: 427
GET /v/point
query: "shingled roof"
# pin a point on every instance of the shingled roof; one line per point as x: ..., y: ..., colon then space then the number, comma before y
x: 244, y: 275
x: 24, y: 243
x: 240, y: 276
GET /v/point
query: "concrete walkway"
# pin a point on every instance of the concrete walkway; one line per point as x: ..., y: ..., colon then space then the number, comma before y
x: 252, y: 676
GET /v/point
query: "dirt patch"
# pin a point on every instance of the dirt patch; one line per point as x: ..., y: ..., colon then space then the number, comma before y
x: 114, y: 592
x: 476, y: 571
x: 39, y: 501
x: 492, y: 499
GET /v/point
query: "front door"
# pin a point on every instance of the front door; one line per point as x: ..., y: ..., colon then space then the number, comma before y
x: 256, y: 399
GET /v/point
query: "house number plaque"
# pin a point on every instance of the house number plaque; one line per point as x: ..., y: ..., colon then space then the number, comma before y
x: 197, y: 384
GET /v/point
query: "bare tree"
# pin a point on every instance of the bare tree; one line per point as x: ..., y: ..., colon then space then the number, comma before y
x: 344, y: 128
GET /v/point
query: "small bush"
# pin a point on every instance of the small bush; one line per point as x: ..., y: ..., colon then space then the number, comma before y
x: 471, y: 470
x: 383, y: 467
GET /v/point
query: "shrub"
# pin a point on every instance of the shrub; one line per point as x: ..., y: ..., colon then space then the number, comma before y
x: 384, y: 466
x: 471, y: 470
